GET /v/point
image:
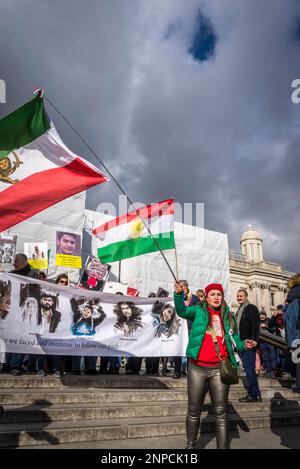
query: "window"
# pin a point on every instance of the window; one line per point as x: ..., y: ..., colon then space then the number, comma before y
x: 272, y: 299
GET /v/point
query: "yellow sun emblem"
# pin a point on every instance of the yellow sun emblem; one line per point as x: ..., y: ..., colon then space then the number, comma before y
x: 136, y: 228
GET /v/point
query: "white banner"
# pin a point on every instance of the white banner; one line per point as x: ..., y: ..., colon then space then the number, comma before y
x: 44, y: 318
x: 67, y: 215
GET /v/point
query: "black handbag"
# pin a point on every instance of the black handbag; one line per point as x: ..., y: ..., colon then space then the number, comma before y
x: 228, y: 372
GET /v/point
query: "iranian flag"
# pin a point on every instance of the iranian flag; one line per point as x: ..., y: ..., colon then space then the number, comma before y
x: 127, y: 236
x: 37, y: 169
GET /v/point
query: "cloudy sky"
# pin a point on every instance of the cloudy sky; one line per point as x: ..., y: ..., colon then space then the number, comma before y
x: 183, y: 98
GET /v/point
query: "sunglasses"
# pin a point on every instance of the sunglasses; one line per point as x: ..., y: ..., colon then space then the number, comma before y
x: 63, y: 282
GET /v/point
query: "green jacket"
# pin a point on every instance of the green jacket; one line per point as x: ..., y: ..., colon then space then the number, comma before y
x: 200, y: 317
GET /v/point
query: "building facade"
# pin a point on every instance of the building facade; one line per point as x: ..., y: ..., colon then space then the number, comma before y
x: 266, y: 282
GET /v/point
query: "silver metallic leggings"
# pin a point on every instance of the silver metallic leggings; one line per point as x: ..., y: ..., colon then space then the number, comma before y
x: 200, y: 380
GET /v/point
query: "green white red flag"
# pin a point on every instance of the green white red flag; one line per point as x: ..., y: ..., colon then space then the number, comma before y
x: 37, y: 169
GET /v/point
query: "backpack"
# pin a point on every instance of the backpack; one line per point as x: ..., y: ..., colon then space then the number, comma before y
x: 291, y: 317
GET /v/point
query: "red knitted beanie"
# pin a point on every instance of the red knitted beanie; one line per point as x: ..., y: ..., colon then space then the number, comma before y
x: 214, y: 286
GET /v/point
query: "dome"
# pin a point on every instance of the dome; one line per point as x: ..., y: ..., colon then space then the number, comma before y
x: 251, y: 233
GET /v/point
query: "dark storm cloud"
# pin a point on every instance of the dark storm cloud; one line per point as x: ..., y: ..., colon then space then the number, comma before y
x: 223, y: 131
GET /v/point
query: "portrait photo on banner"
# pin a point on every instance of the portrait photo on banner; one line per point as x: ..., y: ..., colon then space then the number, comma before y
x: 165, y: 320
x: 129, y: 318
x: 39, y: 308
x: 87, y: 315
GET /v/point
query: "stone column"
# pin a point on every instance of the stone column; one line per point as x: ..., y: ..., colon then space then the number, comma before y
x: 266, y: 299
x: 280, y: 295
x: 256, y: 294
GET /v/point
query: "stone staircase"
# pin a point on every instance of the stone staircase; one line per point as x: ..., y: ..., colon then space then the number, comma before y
x: 50, y: 410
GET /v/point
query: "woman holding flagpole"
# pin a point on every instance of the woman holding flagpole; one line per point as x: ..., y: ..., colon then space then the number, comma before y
x: 212, y: 366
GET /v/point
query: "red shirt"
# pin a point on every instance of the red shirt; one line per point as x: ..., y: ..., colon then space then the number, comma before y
x: 207, y: 355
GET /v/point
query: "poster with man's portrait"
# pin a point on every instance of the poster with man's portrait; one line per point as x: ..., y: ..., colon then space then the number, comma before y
x: 68, y: 250
x: 7, y: 248
x: 94, y: 274
x: 37, y: 255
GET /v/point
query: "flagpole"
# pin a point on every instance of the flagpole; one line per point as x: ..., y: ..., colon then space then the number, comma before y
x: 110, y: 174
x: 48, y: 261
x: 176, y: 260
x: 119, y: 277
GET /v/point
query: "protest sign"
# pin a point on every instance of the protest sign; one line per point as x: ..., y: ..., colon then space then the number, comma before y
x: 37, y: 255
x: 43, y: 318
x: 94, y: 274
x: 68, y: 250
x: 7, y: 248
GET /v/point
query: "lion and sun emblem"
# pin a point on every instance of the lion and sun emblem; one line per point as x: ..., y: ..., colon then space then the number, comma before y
x: 7, y: 168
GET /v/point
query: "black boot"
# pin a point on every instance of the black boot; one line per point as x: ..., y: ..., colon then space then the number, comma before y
x: 191, y: 444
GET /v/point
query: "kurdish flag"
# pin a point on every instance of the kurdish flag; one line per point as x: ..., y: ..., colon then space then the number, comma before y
x: 37, y: 170
x: 127, y: 236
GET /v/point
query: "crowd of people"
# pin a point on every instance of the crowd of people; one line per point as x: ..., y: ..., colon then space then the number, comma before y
x: 265, y: 361
x: 219, y: 341
x: 270, y: 361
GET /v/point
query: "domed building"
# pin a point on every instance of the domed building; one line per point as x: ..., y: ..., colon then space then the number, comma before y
x: 266, y: 282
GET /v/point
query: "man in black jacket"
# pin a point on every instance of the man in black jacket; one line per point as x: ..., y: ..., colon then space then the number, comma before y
x: 21, y: 267
x: 248, y: 321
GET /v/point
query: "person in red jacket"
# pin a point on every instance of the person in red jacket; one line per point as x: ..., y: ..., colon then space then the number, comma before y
x: 213, y: 338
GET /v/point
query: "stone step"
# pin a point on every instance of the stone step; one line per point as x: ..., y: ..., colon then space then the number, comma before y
x: 87, y: 381
x: 88, y: 395
x: 91, y: 395
x: 39, y: 433
x: 61, y: 412
x: 8, y: 381
x: 258, y: 438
